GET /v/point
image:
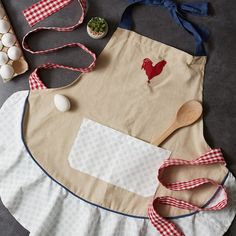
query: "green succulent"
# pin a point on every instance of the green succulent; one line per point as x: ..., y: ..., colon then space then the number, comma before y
x: 97, y: 24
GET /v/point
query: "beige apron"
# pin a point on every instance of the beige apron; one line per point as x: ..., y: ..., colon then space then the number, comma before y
x: 116, y: 94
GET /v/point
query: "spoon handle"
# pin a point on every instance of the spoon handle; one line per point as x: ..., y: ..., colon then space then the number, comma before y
x: 157, y: 141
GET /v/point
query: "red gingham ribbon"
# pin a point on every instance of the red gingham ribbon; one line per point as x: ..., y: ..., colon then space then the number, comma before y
x: 167, y: 228
x: 43, y: 9
x: 38, y: 12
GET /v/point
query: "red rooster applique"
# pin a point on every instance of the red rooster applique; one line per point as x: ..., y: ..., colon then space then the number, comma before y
x: 152, y: 71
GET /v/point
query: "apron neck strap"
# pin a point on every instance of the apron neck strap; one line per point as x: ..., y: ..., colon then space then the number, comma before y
x: 177, y: 12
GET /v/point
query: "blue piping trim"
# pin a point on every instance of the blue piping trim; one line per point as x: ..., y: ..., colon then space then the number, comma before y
x: 93, y: 204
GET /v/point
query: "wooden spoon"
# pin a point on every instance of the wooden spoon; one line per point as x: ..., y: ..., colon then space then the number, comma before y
x: 187, y: 114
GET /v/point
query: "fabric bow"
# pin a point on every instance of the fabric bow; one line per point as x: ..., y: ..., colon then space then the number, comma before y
x: 177, y: 12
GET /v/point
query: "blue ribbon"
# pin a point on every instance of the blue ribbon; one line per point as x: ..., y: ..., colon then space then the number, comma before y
x: 177, y: 12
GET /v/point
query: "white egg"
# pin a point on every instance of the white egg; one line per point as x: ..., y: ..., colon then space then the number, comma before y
x: 7, y: 72
x: 4, y: 26
x: 8, y: 40
x: 3, y: 58
x: 62, y: 103
x: 2, y: 12
x: 14, y: 53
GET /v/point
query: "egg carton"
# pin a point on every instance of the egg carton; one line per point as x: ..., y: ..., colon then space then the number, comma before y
x: 12, y: 61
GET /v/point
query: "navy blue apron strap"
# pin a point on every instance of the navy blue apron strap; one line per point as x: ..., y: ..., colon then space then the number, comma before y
x: 177, y: 12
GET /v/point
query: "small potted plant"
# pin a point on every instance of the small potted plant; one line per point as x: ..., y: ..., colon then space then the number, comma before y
x: 97, y: 28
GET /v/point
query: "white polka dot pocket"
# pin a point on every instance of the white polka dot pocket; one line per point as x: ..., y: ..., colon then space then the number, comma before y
x: 117, y: 158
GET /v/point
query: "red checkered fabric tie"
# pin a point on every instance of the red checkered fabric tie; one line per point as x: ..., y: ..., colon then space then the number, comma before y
x: 40, y: 11
x: 43, y: 9
x: 164, y: 226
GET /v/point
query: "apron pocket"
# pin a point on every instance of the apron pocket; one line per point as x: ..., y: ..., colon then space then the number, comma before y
x: 117, y: 158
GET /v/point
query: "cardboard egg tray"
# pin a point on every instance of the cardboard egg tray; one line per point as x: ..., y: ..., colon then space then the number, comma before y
x: 20, y: 66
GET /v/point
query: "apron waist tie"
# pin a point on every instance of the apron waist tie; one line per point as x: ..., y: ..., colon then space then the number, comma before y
x: 164, y: 226
x: 43, y: 9
x: 40, y: 11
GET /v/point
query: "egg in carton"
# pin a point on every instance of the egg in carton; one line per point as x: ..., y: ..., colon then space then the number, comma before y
x: 12, y: 61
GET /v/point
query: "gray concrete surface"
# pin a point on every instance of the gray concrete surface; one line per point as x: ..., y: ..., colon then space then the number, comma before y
x: 219, y: 83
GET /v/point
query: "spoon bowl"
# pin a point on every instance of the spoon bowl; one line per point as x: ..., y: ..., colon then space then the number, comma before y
x: 187, y: 114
